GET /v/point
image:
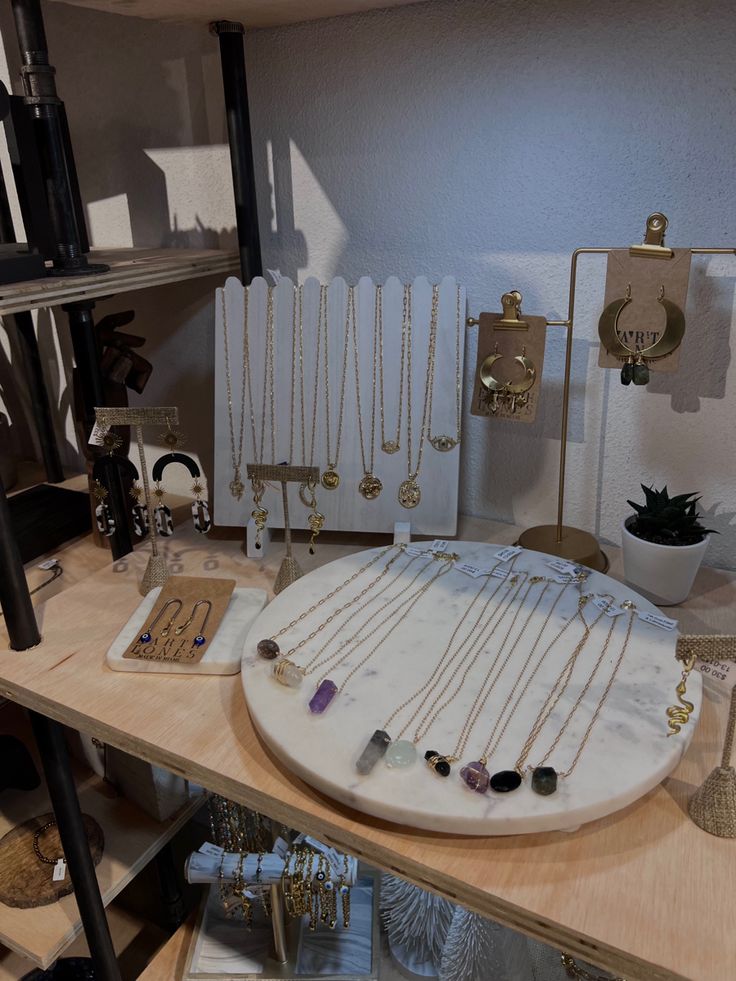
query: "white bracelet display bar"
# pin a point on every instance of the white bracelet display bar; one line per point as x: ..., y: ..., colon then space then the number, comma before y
x: 344, y: 508
x: 201, y: 868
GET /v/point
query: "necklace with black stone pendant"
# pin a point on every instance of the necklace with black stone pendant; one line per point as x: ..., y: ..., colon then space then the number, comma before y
x: 403, y: 752
x: 544, y: 777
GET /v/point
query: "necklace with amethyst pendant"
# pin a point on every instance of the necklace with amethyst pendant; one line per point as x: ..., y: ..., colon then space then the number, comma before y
x: 475, y: 776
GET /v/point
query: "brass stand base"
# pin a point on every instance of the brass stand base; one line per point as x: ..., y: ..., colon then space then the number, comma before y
x: 288, y: 573
x: 713, y: 806
x: 576, y: 545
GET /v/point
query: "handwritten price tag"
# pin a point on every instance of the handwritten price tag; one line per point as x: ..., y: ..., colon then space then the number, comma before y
x: 474, y: 571
x: 508, y: 553
x: 97, y: 435
x: 439, y: 545
x: 609, y: 608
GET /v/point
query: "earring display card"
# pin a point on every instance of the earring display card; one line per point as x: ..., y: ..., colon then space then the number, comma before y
x: 510, y: 344
x: 183, y: 621
x: 643, y: 319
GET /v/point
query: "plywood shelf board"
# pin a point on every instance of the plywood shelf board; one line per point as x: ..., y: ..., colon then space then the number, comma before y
x: 598, y: 892
x: 130, y: 269
x: 253, y: 13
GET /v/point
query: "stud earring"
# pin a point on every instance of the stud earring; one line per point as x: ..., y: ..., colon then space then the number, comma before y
x: 103, y: 514
x: 200, y: 638
x: 146, y: 636
x: 200, y: 508
x: 162, y: 513
x: 139, y: 510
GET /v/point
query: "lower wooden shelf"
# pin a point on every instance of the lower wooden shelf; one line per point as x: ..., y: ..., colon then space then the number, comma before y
x: 168, y: 964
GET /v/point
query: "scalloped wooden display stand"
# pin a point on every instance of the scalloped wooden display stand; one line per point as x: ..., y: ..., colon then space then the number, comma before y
x: 713, y: 806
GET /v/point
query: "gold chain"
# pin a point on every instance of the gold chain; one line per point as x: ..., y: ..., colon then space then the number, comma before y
x: 268, y: 383
x: 236, y: 451
x: 444, y: 443
x: 321, y: 320
x: 297, y: 348
x: 575, y: 971
x: 393, y: 445
x: 331, y: 479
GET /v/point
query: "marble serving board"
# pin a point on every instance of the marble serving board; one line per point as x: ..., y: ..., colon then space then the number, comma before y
x: 223, y: 654
x: 627, y: 754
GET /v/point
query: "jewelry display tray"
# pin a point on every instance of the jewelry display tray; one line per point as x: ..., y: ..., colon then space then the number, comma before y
x: 628, y: 752
x: 223, y: 653
x: 344, y: 508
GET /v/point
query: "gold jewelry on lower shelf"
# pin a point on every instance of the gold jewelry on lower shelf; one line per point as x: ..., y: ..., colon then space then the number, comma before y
x: 506, y: 394
x: 679, y: 715
x: 574, y: 970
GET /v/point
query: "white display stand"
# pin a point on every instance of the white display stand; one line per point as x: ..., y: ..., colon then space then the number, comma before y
x: 628, y: 752
x: 344, y: 509
x: 224, y: 652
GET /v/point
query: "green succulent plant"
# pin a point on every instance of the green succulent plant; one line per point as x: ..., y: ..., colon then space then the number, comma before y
x: 667, y: 520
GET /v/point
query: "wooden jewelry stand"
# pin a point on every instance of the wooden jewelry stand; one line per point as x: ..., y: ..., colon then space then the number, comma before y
x: 289, y: 571
x: 560, y: 539
x: 713, y: 806
x: 156, y: 572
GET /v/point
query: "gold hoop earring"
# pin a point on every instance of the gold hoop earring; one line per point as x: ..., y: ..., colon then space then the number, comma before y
x: 513, y: 394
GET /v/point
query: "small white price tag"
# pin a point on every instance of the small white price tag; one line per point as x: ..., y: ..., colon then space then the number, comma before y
x: 439, y: 545
x: 566, y: 568
x: 474, y: 571
x: 659, y: 620
x: 508, y: 553
x: 415, y: 550
x: 500, y: 573
x: 97, y: 435
x: 280, y: 847
x: 248, y: 894
x: 209, y: 849
x: 609, y: 608
x: 48, y: 564
x: 59, y: 871
x: 724, y: 672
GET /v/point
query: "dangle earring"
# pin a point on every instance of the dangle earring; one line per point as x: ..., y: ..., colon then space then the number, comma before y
x: 259, y: 513
x: 679, y: 715
x: 147, y: 635
x: 162, y: 512
x: 103, y: 514
x: 200, y: 508
x: 139, y: 510
x: 316, y: 519
x: 172, y: 439
x: 200, y: 638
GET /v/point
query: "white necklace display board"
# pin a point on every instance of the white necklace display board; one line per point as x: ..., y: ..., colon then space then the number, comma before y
x: 628, y: 751
x: 344, y: 508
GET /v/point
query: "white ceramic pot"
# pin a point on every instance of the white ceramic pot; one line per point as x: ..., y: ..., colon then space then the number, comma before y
x: 663, y: 573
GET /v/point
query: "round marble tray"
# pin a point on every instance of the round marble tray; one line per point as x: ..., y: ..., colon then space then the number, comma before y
x: 628, y: 752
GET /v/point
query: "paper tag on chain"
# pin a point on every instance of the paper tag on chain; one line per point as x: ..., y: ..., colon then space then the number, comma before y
x: 659, y: 620
x: 438, y: 545
x: 48, y: 564
x: 500, y: 573
x: 415, y: 550
x: 566, y: 568
x: 474, y: 571
x: 97, y: 436
x: 508, y: 553
x: 209, y: 849
x: 280, y: 847
x: 59, y: 871
x: 609, y: 608
x: 724, y: 672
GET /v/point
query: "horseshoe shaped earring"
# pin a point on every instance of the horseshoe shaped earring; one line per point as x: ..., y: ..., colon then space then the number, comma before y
x: 514, y: 394
x: 520, y: 390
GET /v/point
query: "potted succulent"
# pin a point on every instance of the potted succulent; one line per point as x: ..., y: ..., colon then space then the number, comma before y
x: 664, y: 544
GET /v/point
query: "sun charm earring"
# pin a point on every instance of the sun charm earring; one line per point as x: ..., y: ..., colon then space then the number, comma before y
x: 173, y: 439
x: 200, y: 508
x: 103, y: 514
x: 140, y: 511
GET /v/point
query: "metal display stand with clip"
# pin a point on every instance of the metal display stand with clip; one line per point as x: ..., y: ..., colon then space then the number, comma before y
x: 561, y: 539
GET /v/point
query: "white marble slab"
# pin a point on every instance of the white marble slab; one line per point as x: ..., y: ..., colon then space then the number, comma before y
x: 628, y: 752
x: 223, y: 653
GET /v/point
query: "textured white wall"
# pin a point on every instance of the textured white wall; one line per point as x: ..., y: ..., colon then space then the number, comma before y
x: 487, y: 140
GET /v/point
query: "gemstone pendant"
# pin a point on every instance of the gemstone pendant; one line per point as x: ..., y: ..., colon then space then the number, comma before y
x: 641, y: 373
x: 375, y: 748
x: 390, y: 446
x: 370, y: 487
x: 145, y: 638
x: 401, y: 754
x: 443, y: 443
x: 287, y: 673
x: 330, y: 479
x: 199, y: 640
x: 505, y: 781
x: 268, y: 649
x: 476, y: 776
x: 627, y: 373
x: 409, y: 493
x: 437, y: 762
x: 544, y: 780
x: 326, y: 691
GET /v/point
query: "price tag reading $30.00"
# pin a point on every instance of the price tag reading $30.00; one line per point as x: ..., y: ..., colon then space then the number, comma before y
x: 723, y: 673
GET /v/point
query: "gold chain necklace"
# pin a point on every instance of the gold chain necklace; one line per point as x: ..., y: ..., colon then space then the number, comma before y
x: 259, y: 512
x: 331, y: 478
x: 297, y: 358
x: 370, y: 486
x: 236, y: 450
x: 409, y: 491
x: 269, y: 649
x: 446, y: 443
x: 391, y: 445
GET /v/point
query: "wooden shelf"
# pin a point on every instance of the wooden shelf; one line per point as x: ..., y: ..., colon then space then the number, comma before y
x: 603, y: 893
x: 132, y: 839
x: 253, y: 13
x: 169, y: 962
x: 130, y: 269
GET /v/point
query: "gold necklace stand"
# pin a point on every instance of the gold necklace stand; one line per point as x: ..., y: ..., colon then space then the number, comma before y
x: 560, y: 539
x: 156, y: 572
x: 289, y: 570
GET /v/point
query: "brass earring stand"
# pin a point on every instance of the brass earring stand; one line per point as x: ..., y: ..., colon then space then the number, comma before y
x: 560, y: 539
x: 156, y: 572
x: 713, y: 806
x: 289, y: 570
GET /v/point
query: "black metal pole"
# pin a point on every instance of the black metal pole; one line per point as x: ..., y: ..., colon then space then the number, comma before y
x: 40, y: 405
x: 232, y: 58
x: 15, y: 598
x: 171, y: 896
x: 63, y: 793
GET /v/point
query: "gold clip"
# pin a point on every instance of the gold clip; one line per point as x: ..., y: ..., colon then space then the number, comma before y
x: 653, y: 246
x: 511, y: 303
